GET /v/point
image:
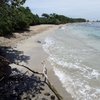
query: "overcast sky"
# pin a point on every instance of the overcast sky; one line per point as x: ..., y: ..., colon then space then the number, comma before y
x: 89, y: 9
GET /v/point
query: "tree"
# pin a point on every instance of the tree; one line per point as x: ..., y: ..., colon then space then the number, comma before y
x: 45, y: 15
x: 15, y: 3
x: 14, y: 16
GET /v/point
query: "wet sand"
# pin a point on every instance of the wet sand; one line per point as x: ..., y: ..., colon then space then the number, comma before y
x: 31, y: 48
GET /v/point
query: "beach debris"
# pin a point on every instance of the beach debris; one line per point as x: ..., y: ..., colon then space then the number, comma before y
x: 47, y: 82
x: 41, y: 42
x: 44, y: 99
x: 47, y: 94
x: 38, y: 41
x: 29, y: 69
x: 15, y: 85
x: 52, y: 97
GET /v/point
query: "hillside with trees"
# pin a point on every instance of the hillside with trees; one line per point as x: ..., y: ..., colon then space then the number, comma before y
x: 15, y: 17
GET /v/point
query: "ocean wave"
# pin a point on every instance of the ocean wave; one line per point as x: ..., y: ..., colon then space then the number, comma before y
x: 76, y: 65
x: 75, y: 75
x: 80, y: 69
x: 79, y: 89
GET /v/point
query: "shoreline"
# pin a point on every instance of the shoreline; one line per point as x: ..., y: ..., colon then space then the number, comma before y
x: 16, y: 37
x: 31, y: 47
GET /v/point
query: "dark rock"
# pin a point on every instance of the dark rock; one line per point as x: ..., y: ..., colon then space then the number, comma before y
x: 38, y: 41
x: 47, y: 94
x: 44, y: 99
x: 33, y: 95
x: 52, y: 97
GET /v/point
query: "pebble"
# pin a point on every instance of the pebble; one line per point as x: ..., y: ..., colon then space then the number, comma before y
x: 52, y: 97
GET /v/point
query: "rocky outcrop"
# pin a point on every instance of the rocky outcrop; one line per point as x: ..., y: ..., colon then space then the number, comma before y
x: 5, y: 69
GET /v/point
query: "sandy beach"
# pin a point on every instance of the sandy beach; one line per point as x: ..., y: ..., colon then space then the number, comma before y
x: 31, y: 54
x: 22, y: 35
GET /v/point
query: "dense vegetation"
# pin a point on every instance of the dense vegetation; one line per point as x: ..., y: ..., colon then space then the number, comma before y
x: 58, y: 19
x: 14, y: 17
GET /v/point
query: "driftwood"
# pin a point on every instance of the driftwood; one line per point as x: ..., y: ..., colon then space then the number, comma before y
x: 29, y: 69
x: 48, y: 82
x: 54, y: 90
x: 5, y: 62
x: 1, y: 78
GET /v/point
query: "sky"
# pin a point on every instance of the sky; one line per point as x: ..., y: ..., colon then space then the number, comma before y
x: 89, y: 9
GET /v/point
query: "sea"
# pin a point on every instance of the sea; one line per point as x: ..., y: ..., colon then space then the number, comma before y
x: 74, y: 52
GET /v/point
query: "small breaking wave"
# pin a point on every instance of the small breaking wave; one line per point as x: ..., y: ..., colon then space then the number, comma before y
x: 74, y: 76
x: 79, y: 89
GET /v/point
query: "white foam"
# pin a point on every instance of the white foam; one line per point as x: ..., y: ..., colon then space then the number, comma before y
x: 77, y: 86
x: 48, y: 43
x: 82, y: 69
x: 85, y: 70
x: 79, y: 89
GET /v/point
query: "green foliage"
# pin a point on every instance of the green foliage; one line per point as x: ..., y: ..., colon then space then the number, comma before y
x: 58, y: 19
x: 45, y: 15
x: 13, y: 17
x: 22, y: 18
x: 79, y: 20
x: 5, y: 27
x: 36, y: 20
x: 5, y: 20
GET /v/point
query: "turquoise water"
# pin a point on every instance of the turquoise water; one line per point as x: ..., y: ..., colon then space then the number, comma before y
x: 74, y: 52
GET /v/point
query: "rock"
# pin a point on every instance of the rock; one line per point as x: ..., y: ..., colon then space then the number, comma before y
x: 44, y: 99
x: 47, y: 94
x: 5, y: 69
x: 38, y: 41
x: 52, y: 97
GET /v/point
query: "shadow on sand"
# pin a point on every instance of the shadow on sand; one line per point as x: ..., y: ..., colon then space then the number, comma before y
x: 20, y: 86
x: 13, y: 55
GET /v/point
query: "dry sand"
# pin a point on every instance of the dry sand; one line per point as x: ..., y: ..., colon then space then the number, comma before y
x: 33, y: 54
x: 22, y: 35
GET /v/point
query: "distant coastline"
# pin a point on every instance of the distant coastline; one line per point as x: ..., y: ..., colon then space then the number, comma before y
x: 15, y: 17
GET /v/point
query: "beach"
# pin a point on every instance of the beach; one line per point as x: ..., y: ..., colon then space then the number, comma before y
x: 11, y: 40
x: 64, y: 54
x: 29, y: 44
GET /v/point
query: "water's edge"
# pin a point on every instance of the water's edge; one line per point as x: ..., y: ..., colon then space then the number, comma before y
x: 72, y: 63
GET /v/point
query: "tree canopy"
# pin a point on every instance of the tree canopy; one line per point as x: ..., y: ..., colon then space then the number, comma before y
x: 13, y: 17
x: 58, y: 19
